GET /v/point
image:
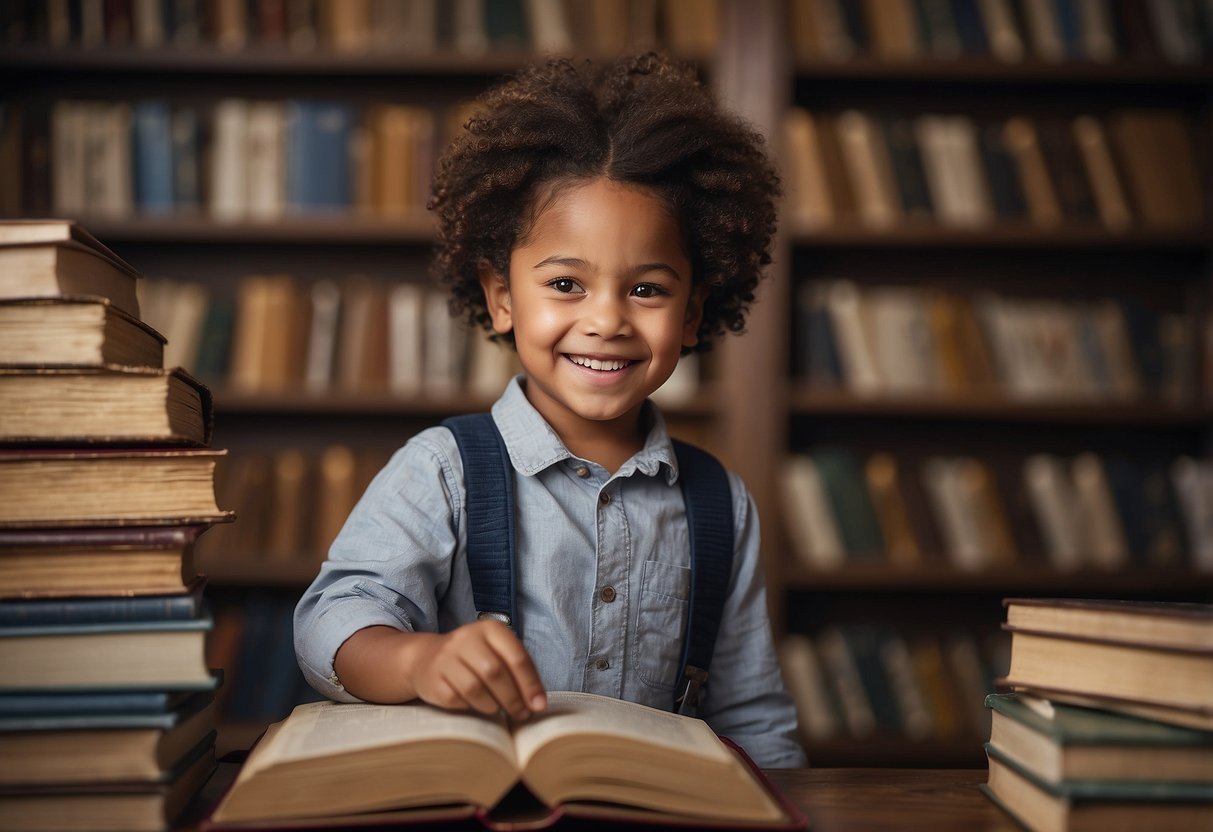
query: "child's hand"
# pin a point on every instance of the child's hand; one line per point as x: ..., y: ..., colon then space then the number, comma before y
x: 480, y: 666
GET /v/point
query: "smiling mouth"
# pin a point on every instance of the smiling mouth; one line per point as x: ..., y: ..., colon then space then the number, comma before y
x: 607, y: 365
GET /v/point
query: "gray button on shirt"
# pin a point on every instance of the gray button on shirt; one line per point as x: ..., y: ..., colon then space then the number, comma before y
x: 400, y: 561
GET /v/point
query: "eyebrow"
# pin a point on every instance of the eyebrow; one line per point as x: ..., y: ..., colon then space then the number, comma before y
x: 578, y: 263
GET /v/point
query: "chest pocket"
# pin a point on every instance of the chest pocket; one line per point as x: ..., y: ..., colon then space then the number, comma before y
x: 661, y: 621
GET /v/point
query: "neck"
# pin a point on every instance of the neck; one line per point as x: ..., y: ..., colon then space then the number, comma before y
x: 610, y: 443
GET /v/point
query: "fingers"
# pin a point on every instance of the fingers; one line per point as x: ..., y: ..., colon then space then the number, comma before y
x: 484, y: 667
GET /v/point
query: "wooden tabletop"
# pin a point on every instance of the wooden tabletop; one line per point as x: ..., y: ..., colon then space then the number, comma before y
x: 877, y: 799
x: 846, y: 799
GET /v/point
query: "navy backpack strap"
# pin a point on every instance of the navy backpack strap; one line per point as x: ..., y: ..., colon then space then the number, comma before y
x: 709, y: 506
x: 489, y: 504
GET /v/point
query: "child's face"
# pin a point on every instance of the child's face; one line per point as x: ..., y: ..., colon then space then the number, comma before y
x: 601, y: 303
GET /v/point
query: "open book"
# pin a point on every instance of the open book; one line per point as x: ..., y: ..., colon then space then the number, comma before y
x: 586, y: 754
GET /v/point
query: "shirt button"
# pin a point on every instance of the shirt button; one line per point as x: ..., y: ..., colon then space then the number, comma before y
x: 582, y: 471
x: 608, y: 594
x: 604, y: 498
x: 602, y: 664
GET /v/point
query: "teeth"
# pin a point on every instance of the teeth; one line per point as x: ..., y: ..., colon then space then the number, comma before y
x: 595, y: 364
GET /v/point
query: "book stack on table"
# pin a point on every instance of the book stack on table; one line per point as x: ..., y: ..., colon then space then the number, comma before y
x: 106, y: 479
x: 1110, y: 726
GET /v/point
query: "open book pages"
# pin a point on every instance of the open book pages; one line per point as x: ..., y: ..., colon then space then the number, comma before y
x: 330, y: 759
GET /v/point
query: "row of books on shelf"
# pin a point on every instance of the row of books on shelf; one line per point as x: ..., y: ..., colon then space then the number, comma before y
x: 1109, y: 723
x: 468, y: 28
x: 1090, y: 511
x: 108, y: 711
x: 865, y: 681
x: 291, y: 505
x: 277, y: 333
x: 1011, y: 31
x: 233, y: 160
x: 918, y: 340
x: 1116, y: 170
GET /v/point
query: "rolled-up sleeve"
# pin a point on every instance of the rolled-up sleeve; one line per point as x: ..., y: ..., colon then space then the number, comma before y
x: 745, y: 698
x: 392, y: 561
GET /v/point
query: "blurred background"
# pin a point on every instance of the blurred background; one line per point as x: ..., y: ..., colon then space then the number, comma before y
x: 982, y: 366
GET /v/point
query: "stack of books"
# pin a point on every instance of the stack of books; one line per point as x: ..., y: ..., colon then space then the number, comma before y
x: 106, y: 480
x: 1110, y: 725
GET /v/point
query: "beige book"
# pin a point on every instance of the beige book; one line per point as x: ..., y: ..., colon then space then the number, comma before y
x: 1107, y: 545
x: 183, y: 326
x: 43, y: 332
x: 808, y: 687
x: 229, y: 172
x: 347, y: 24
x: 49, y: 270
x: 550, y: 26
x: 808, y: 185
x: 336, y: 494
x: 406, y: 338
x: 53, y: 488
x: 365, y: 758
x: 321, y: 349
x: 844, y: 303
x: 288, y: 507
x: 842, y: 671
x: 812, y: 529
x: 896, y: 320
x: 870, y: 170
x: 954, y: 502
x: 1055, y: 506
x: 1006, y: 44
x: 266, y: 164
x: 692, y: 27
x: 1106, y: 186
x: 106, y: 404
x: 805, y: 35
x: 1021, y: 140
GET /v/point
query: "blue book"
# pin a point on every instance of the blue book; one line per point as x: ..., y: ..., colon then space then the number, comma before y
x: 153, y: 157
x: 969, y: 26
x: 99, y: 702
x: 16, y: 613
x: 318, y: 156
x: 186, y: 706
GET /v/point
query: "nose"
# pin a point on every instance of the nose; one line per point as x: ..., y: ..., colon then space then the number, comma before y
x: 606, y: 316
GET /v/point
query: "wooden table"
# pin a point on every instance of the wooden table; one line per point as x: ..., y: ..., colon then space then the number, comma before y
x: 851, y: 799
x: 902, y: 799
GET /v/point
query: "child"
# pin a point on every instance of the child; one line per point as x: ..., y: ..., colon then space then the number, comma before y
x: 605, y: 223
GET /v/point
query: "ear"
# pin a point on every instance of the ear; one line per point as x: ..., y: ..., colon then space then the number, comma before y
x: 496, y: 298
x: 694, y: 315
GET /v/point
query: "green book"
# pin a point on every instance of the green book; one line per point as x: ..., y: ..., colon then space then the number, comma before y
x: 847, y: 492
x: 1065, y: 744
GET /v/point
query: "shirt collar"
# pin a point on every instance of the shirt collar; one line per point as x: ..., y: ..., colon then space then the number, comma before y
x: 534, y: 446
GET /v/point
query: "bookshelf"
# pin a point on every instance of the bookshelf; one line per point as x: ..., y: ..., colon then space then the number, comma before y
x: 753, y: 420
x: 1075, y: 260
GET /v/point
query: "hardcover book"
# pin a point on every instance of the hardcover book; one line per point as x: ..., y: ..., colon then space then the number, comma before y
x: 1106, y: 806
x: 53, y: 488
x: 104, y: 405
x: 46, y: 332
x: 1058, y: 743
x: 126, y: 561
x: 586, y: 756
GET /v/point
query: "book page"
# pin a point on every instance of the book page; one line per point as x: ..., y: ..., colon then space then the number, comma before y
x: 571, y: 713
x: 320, y: 729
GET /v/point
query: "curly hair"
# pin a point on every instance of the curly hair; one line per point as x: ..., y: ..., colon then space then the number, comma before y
x: 644, y: 120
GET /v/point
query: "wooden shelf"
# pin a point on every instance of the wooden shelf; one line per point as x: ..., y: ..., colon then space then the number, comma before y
x: 1024, y: 578
x: 334, y: 230
x: 1001, y: 235
x: 979, y: 407
x: 258, y: 60
x: 985, y: 70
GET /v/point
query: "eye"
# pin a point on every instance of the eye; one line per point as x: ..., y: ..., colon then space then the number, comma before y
x: 564, y: 285
x: 648, y: 290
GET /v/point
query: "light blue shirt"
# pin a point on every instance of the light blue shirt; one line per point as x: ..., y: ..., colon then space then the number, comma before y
x: 602, y: 585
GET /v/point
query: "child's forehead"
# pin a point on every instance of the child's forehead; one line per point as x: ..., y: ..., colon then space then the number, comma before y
x: 565, y: 204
